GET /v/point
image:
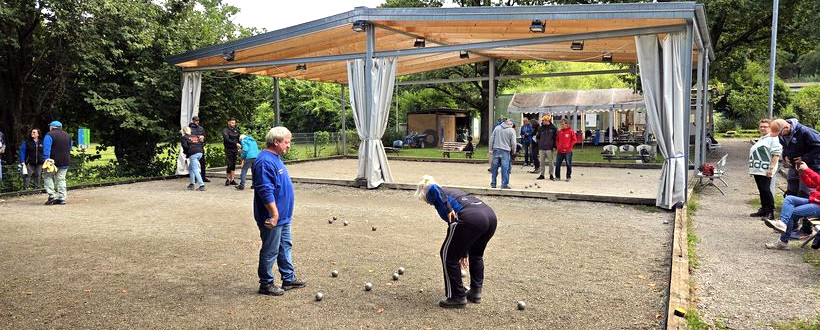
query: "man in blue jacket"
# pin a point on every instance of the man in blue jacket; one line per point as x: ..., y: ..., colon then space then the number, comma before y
x: 800, y: 143
x: 526, y: 139
x: 273, y: 211
x: 57, y: 152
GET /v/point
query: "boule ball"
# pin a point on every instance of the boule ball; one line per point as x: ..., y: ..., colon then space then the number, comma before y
x: 368, y: 286
x: 631, y: 192
x: 522, y: 305
x: 345, y: 222
x: 421, y: 290
x: 319, y: 296
x: 395, y: 276
x: 374, y: 228
x: 334, y: 218
x: 329, y: 221
x: 334, y: 273
x: 401, y: 271
x: 463, y: 273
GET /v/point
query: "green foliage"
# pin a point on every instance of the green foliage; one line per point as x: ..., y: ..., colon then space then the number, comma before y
x: 746, y: 95
x: 692, y: 238
x: 812, y: 323
x: 567, y: 82
x: 806, y: 105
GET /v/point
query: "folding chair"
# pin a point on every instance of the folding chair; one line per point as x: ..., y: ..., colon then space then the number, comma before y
x: 720, y: 170
x: 815, y: 230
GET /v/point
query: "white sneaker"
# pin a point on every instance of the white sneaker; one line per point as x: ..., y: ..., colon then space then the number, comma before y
x: 777, y: 245
x: 777, y: 225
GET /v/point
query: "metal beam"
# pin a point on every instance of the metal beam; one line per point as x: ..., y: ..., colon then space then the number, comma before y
x: 536, y: 41
x: 491, y: 105
x: 510, y: 77
x: 276, y: 100
x: 686, y: 62
x: 413, y: 35
x: 289, y: 61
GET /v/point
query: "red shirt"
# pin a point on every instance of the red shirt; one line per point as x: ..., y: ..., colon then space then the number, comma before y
x: 812, y: 180
x: 566, y: 140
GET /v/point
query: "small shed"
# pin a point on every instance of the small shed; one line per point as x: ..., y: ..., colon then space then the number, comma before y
x: 439, y: 124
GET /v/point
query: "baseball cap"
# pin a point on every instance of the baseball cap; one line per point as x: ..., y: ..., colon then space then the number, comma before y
x: 55, y: 124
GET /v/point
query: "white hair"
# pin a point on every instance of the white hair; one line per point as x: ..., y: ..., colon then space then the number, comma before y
x: 185, y: 130
x: 424, y: 186
x: 276, y: 134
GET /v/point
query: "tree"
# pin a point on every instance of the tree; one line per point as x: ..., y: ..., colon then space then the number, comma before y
x: 806, y: 105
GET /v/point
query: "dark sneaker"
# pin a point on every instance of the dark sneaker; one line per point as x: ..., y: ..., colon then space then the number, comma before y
x: 759, y: 213
x: 474, y: 296
x: 769, y: 215
x: 240, y: 187
x: 50, y: 201
x: 534, y: 171
x: 568, y: 179
x: 227, y: 183
x: 204, y: 179
x: 233, y: 183
x: 816, y: 243
x: 453, y: 302
x: 552, y: 178
x: 295, y: 284
x: 540, y: 177
x: 191, y: 186
x: 59, y: 202
x: 270, y: 289
x: 201, y: 188
x: 505, y: 187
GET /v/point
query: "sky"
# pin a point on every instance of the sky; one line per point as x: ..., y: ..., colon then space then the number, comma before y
x: 274, y: 15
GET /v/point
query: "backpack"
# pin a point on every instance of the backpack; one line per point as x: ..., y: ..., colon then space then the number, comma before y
x: 707, y: 169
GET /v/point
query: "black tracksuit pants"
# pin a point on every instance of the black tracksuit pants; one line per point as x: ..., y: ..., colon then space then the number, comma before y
x: 467, y: 236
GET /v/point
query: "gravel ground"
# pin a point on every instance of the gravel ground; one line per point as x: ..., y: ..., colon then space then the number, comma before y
x: 154, y: 255
x: 585, y: 180
x: 740, y: 283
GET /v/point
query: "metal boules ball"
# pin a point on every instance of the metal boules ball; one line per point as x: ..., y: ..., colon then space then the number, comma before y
x: 463, y: 273
x: 334, y: 218
x: 345, y: 223
x: 395, y: 276
x: 334, y: 273
x: 522, y: 305
x: 319, y: 296
x: 373, y: 228
x: 329, y: 221
x: 401, y: 271
x: 368, y: 286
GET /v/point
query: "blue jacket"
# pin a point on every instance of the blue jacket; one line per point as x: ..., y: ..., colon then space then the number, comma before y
x: 250, y: 149
x: 526, y: 134
x: 271, y: 182
x: 804, y: 142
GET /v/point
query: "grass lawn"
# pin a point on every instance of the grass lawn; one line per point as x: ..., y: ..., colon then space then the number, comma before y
x: 587, y: 153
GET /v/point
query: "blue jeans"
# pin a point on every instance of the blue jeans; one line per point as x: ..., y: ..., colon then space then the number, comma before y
x: 193, y: 169
x: 500, y: 158
x: 276, y: 246
x: 247, y: 164
x: 559, y: 159
x: 795, y: 208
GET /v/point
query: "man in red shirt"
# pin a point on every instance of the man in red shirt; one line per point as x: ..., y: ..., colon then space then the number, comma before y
x: 565, y: 141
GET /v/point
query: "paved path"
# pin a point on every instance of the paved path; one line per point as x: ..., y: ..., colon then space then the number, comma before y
x: 741, y: 284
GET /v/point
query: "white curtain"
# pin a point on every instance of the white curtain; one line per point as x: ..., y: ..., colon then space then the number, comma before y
x: 191, y: 87
x: 665, y: 108
x: 370, y: 126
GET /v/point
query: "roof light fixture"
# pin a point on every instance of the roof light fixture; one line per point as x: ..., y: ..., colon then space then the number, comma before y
x: 463, y: 54
x: 538, y: 26
x: 606, y: 58
x: 359, y: 26
x: 419, y: 43
x: 577, y: 45
x: 229, y: 56
x: 301, y: 67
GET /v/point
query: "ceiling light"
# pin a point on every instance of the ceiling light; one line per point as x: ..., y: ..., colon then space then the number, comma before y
x: 359, y: 26
x: 463, y: 54
x: 607, y: 58
x: 538, y: 26
x: 577, y: 45
x: 419, y: 43
x: 301, y: 67
x: 229, y: 56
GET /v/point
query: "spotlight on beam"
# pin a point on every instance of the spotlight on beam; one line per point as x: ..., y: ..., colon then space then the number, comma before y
x: 538, y: 26
x: 606, y: 58
x: 577, y: 45
x: 419, y: 43
x: 229, y: 56
x: 301, y: 67
x: 359, y: 26
x: 463, y: 54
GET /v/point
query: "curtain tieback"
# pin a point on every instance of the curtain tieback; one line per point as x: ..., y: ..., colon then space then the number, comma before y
x: 678, y: 155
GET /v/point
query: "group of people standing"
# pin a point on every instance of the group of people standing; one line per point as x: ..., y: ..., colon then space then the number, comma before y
x: 798, y: 146
x: 45, y: 159
x: 543, y: 140
x: 236, y: 145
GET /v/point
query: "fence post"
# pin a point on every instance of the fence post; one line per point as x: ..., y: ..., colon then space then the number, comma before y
x: 314, y: 145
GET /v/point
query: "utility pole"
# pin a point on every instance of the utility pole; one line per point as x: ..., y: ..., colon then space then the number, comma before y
x: 772, y: 58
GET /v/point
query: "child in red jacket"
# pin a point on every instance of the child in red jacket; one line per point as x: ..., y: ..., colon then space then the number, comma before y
x: 565, y: 141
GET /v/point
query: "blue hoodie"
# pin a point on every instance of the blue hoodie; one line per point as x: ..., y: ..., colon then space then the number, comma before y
x: 804, y: 142
x: 250, y: 149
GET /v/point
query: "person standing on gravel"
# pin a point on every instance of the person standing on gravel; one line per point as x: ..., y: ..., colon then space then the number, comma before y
x: 564, y: 142
x: 192, y: 146
x: 273, y: 200
x: 198, y: 130
x: 471, y: 225
x: 763, y: 160
x: 800, y: 143
x: 526, y: 139
x: 547, y: 134
x: 534, y: 147
x: 57, y: 154
x: 31, y: 157
x: 502, y: 146
x: 250, y: 150
x: 230, y: 139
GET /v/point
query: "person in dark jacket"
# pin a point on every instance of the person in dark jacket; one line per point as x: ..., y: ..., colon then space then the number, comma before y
x: 31, y: 157
x: 471, y: 225
x: 192, y: 147
x: 2, y: 150
x: 198, y: 130
x: 534, y: 146
x: 800, y: 144
x: 526, y: 139
x: 230, y: 139
x: 57, y: 154
x: 547, y: 135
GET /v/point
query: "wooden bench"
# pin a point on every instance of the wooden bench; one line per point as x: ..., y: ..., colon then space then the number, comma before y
x: 643, y: 153
x: 455, y: 147
x: 391, y: 149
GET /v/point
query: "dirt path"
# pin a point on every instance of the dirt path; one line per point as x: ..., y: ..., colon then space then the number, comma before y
x: 154, y: 255
x: 741, y: 284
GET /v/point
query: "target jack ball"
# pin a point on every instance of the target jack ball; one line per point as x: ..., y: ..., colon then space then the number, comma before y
x: 522, y: 305
x: 395, y: 276
x: 368, y: 286
x: 334, y: 273
x: 319, y: 296
x: 401, y: 271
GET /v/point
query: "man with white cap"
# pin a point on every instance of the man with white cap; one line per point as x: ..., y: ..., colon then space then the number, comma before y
x: 57, y: 152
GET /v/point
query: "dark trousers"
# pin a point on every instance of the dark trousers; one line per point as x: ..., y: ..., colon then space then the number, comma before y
x: 764, y: 184
x: 561, y: 158
x: 795, y: 187
x: 534, y: 152
x: 527, y: 153
x: 202, y: 164
x: 468, y: 236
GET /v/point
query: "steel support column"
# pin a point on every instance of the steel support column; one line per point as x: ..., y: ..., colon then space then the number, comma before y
x: 344, y: 119
x: 277, y: 120
x: 491, y: 105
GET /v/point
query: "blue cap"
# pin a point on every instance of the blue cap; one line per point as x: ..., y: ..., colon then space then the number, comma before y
x: 55, y: 124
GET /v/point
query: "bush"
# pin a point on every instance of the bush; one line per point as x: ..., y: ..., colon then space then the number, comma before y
x: 722, y: 124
